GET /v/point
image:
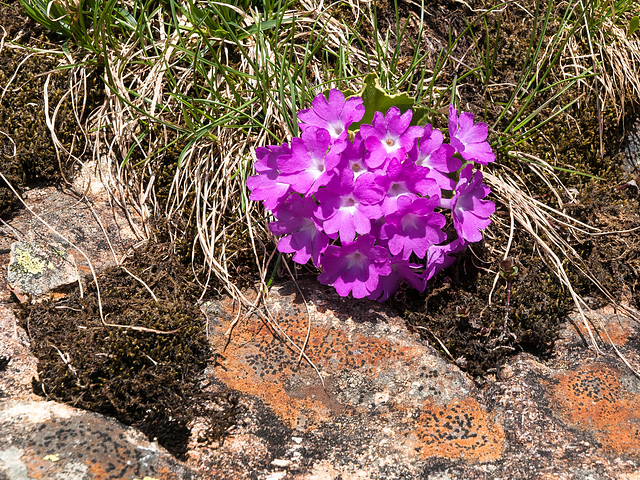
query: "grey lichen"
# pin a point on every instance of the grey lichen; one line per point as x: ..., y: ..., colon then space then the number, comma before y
x: 37, y: 269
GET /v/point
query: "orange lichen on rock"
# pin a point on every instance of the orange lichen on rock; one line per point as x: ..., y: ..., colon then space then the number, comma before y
x: 259, y: 362
x: 459, y: 430
x: 607, y: 328
x: 375, y: 373
x: 595, y: 400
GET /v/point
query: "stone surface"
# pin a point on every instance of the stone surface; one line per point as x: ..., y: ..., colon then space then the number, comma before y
x: 387, y: 398
x: 391, y: 407
x: 37, y: 269
x: 631, y: 149
x: 47, y: 440
x: 20, y: 366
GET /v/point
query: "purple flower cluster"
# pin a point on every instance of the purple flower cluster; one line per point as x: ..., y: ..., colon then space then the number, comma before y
x: 369, y: 209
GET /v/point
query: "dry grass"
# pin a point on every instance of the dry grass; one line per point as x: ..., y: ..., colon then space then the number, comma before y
x: 602, y: 45
x: 209, y: 182
x: 251, y: 79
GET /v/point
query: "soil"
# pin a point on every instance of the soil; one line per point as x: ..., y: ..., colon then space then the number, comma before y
x: 131, y: 367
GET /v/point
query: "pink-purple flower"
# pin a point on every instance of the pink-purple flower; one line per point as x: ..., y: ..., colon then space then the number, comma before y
x: 310, y: 164
x: 370, y: 209
x: 440, y: 257
x: 269, y: 185
x: 303, y: 235
x: 469, y: 211
x: 401, y: 271
x: 431, y: 153
x: 390, y: 136
x: 335, y: 114
x: 402, y: 180
x: 414, y: 227
x: 355, y: 267
x: 343, y: 211
x: 353, y: 156
x: 469, y: 139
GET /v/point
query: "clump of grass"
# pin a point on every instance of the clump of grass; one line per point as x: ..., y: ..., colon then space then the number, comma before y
x: 194, y: 88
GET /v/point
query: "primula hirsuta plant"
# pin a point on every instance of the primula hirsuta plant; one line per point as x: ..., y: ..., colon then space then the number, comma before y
x: 369, y: 209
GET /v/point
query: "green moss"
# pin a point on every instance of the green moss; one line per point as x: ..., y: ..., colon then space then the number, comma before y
x: 146, y: 379
x: 614, y: 259
x: 455, y: 316
x: 27, y: 153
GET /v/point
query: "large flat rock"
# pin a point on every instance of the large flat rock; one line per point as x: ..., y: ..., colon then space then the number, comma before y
x: 378, y: 402
x: 370, y: 399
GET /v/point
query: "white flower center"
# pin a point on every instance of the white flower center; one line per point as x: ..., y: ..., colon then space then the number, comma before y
x: 317, y: 166
x: 390, y: 144
x: 336, y: 128
x: 355, y: 259
x: 349, y: 204
x: 357, y: 168
x: 397, y: 188
x: 424, y: 161
x: 409, y: 220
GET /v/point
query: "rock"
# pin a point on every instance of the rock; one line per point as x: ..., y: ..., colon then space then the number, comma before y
x: 87, y: 219
x: 631, y: 149
x: 40, y: 439
x: 381, y: 404
x: 392, y: 408
x: 38, y: 269
x: 20, y: 366
x: 54, y: 441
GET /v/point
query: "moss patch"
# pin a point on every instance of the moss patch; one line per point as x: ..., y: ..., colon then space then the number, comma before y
x: 145, y: 379
x: 27, y: 152
x: 614, y: 259
x: 455, y: 316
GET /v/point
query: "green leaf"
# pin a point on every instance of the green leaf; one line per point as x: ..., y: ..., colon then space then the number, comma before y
x: 267, y: 25
x: 633, y: 25
x: 377, y: 100
x: 421, y: 116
